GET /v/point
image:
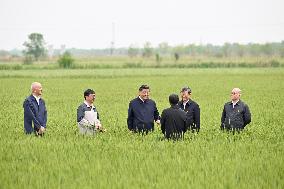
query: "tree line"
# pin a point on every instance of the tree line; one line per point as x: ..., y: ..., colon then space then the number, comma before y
x: 35, y: 48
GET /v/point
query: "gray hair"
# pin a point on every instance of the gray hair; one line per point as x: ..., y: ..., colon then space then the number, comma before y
x: 34, y: 85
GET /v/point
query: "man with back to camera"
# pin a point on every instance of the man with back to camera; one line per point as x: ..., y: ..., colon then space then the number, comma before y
x: 173, y: 120
x: 87, y: 115
x: 142, y: 112
x: 236, y: 114
x: 35, y: 111
x: 191, y: 109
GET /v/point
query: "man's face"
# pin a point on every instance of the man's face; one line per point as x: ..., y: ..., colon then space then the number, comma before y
x: 144, y: 94
x: 91, y: 98
x: 185, y: 96
x: 38, y: 90
x: 235, y: 95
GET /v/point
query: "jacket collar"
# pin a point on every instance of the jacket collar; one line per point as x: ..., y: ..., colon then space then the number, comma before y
x: 141, y: 100
x: 175, y: 106
x: 89, y: 106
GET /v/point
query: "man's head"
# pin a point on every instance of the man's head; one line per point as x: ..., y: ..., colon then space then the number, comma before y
x: 144, y: 92
x: 185, y: 94
x: 173, y: 99
x: 235, y: 94
x: 36, y: 89
x: 90, y: 96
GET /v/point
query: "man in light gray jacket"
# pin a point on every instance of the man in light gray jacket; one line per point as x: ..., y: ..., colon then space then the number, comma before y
x: 87, y: 116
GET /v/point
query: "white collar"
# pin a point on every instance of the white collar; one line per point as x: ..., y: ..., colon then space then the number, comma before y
x: 185, y: 102
x: 37, y: 98
x: 141, y: 99
x: 235, y: 102
x: 89, y: 106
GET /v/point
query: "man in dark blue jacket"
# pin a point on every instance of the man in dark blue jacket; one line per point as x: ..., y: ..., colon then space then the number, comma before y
x: 35, y: 111
x: 191, y: 109
x: 236, y: 114
x: 142, y: 112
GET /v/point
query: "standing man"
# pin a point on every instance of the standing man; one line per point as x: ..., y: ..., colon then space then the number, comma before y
x: 35, y: 111
x: 87, y: 115
x: 142, y: 112
x: 191, y: 109
x: 236, y: 114
x: 173, y: 120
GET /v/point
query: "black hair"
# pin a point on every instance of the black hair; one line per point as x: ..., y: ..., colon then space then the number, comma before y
x: 188, y: 89
x: 88, y: 92
x: 173, y: 99
x: 143, y: 87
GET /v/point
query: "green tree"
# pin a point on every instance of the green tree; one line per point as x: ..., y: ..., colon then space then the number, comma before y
x: 66, y: 60
x: 148, y: 50
x: 35, y: 46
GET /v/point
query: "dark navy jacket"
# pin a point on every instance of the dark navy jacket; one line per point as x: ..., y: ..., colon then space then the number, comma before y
x: 237, y: 117
x: 141, y: 115
x: 34, y: 112
x: 192, y: 111
x: 173, y: 122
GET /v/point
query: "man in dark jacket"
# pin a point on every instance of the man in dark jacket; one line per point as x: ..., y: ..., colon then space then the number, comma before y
x: 191, y: 108
x: 173, y: 120
x: 142, y: 112
x: 236, y: 114
x: 35, y: 111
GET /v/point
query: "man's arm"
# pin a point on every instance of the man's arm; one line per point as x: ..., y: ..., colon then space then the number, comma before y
x: 247, y: 115
x: 45, y: 114
x: 80, y: 117
x: 28, y: 108
x: 197, y: 117
x: 156, y: 114
x: 80, y: 114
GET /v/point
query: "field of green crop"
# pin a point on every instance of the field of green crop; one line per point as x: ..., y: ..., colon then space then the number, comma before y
x: 119, y: 159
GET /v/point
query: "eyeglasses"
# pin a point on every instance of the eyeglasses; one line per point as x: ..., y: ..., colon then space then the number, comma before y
x: 233, y: 93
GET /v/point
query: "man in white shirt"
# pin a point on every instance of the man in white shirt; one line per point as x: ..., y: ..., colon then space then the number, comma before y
x: 87, y: 115
x: 35, y: 111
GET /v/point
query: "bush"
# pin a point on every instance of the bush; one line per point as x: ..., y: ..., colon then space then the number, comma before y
x: 66, y: 60
x: 274, y: 63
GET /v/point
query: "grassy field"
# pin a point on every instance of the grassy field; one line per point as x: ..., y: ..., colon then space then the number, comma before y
x: 118, y: 159
x: 103, y: 62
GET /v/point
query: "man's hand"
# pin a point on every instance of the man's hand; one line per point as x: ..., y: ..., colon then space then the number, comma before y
x: 41, y: 130
x: 98, y: 126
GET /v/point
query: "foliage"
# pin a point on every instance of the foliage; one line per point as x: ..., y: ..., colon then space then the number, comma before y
x: 35, y: 47
x: 118, y: 159
x: 28, y: 59
x: 148, y: 50
x: 66, y: 60
x: 133, y: 51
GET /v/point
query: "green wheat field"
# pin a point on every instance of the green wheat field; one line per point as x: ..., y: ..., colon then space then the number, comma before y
x: 119, y: 159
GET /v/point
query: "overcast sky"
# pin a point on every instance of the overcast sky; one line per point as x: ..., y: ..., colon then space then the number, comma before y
x: 90, y: 23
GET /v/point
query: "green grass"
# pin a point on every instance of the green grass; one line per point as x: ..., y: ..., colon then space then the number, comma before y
x: 110, y: 62
x: 118, y: 159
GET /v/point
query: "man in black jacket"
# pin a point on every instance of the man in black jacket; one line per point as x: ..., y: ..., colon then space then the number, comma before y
x: 173, y: 120
x: 236, y: 114
x: 191, y: 108
x: 142, y: 112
